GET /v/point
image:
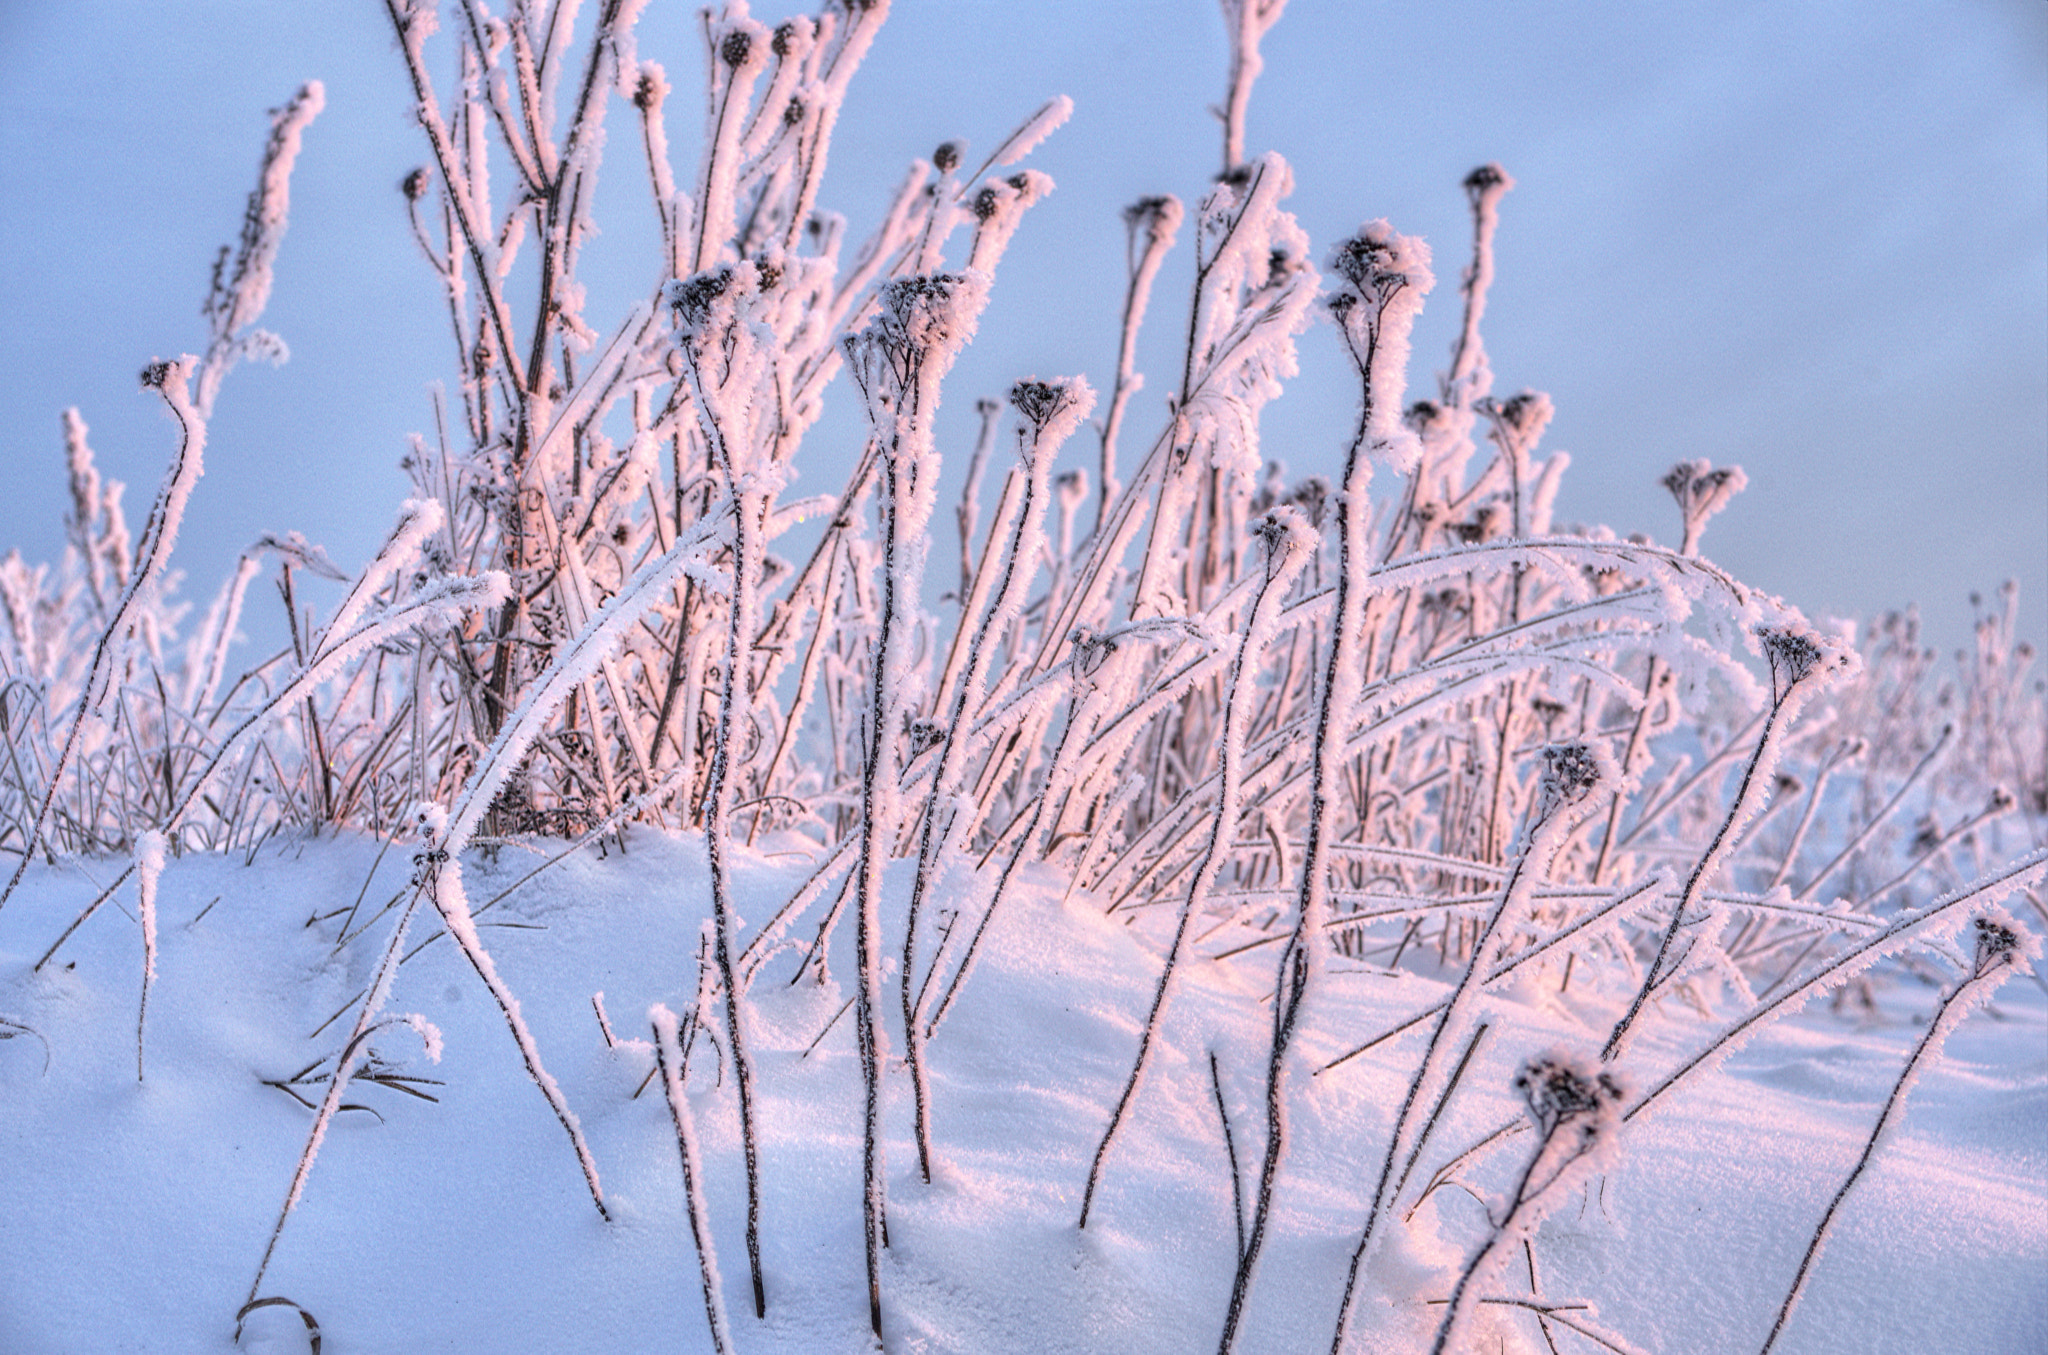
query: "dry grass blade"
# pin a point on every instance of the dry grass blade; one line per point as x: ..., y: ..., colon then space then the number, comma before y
x: 278, y: 1301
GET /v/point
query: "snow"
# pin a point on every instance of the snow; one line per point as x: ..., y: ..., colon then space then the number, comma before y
x: 137, y: 1212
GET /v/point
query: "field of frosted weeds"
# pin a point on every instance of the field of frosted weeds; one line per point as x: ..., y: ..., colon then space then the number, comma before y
x: 1134, y: 837
x: 462, y: 1224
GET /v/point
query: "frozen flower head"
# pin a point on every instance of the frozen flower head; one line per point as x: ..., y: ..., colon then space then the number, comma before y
x: 1423, y: 416
x: 1487, y: 183
x: 1039, y: 401
x: 693, y: 298
x: 1156, y: 218
x: 1523, y: 416
x: 155, y: 375
x: 1284, y: 530
x: 923, y: 322
x: 647, y: 92
x: 1385, y: 277
x: 430, y: 821
x: 2001, y: 941
x: 1092, y: 654
x: 736, y: 48
x: 792, y: 38
x: 929, y: 311
x: 1563, y: 1094
x: 414, y: 185
x: 1571, y: 772
x: 1702, y: 490
x: 946, y: 158
x: 924, y: 735
x: 1796, y: 654
x: 1052, y: 408
x: 1376, y: 264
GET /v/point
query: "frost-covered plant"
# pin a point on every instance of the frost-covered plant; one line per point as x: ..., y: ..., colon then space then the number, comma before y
x: 2001, y: 946
x: 1575, y: 1112
x: 1396, y: 718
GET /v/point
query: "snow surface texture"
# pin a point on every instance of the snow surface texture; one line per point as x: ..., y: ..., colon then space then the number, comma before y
x: 135, y: 1214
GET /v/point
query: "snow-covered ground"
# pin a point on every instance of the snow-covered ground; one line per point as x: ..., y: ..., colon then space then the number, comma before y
x: 135, y: 1214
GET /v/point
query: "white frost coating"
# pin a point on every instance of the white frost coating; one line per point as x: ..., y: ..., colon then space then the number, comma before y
x: 1573, y: 1104
x: 739, y: 51
x: 173, y: 380
x: 97, y: 528
x: 1037, y: 128
x: 999, y: 206
x: 1247, y: 22
x: 1941, y: 918
x: 206, y: 662
x: 795, y: 37
x: 453, y: 905
x: 150, y: 848
x: 149, y: 864
x: 236, y: 302
x: 2002, y: 945
x: 295, y: 549
x: 1542, y: 500
x: 668, y: 1052
x: 429, y: 1033
x: 417, y: 520
x: 1387, y: 276
x: 572, y: 663
x: 436, y: 603
x: 1471, y: 378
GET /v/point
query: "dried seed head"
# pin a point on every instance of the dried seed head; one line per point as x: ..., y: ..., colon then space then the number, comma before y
x: 737, y: 47
x: 1559, y: 1091
x: 1570, y: 772
x: 1312, y: 496
x: 1421, y: 415
x: 784, y: 39
x: 1361, y: 259
x: 414, y: 185
x: 947, y: 157
x: 155, y: 375
x: 793, y: 112
x: 1997, y: 942
x: 985, y: 204
x: 1038, y: 401
x: 1524, y: 414
x: 1793, y: 656
x: 924, y: 735
x: 1486, y: 177
x: 1091, y: 652
x: 917, y: 311
x: 692, y: 297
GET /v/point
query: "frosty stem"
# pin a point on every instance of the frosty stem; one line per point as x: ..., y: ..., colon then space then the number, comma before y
x: 172, y: 380
x: 1375, y: 312
x: 1571, y: 777
x: 1999, y: 944
x: 1796, y: 660
x: 1289, y: 541
x: 671, y: 1068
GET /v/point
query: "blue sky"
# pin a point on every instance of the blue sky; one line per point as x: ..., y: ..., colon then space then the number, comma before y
x: 1811, y: 239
